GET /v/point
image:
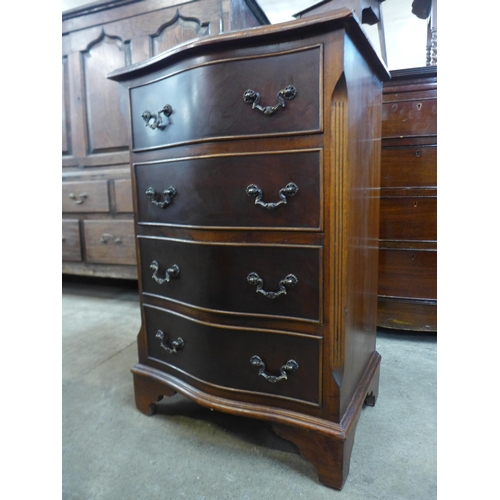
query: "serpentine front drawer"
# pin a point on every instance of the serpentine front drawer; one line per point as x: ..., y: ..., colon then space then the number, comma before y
x: 281, y: 190
x: 273, y: 280
x: 221, y: 99
x: 235, y: 358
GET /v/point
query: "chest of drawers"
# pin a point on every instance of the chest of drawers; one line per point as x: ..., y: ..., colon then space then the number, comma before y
x: 255, y: 169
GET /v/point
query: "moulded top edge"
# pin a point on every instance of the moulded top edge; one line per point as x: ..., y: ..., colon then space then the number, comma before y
x: 337, y: 19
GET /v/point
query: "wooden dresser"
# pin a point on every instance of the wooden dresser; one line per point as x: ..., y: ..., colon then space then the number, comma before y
x: 97, y: 210
x: 255, y: 169
x: 408, y: 205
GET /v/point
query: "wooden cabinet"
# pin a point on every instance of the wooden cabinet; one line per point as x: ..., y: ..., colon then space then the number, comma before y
x: 408, y: 205
x: 96, y: 39
x: 255, y: 169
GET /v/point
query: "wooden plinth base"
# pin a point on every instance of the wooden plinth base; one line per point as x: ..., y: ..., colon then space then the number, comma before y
x: 327, y: 445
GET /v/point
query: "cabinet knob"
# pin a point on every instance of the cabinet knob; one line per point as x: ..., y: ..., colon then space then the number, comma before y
x: 290, y: 366
x: 252, y: 97
x: 78, y: 200
x: 289, y: 190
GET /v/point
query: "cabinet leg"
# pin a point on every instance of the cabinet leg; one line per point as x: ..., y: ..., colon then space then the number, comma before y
x: 148, y: 392
x: 329, y: 454
x: 372, y: 392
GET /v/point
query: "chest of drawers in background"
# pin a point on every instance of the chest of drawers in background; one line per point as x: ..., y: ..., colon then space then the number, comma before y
x: 255, y: 170
x: 408, y: 205
x: 97, y: 210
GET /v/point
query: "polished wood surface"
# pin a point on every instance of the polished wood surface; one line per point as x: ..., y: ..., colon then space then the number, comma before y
x: 96, y: 39
x: 408, y: 216
x: 197, y: 252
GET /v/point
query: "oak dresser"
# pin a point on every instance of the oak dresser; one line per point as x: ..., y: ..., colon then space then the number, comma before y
x: 255, y: 161
x: 97, y: 210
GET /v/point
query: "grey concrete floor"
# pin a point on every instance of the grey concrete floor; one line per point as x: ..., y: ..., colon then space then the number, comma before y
x: 112, y: 451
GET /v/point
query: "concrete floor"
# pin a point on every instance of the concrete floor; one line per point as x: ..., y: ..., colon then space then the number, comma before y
x: 112, y: 451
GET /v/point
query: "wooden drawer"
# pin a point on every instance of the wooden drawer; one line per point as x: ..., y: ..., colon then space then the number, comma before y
x: 220, y: 356
x: 110, y: 241
x: 408, y: 273
x: 408, y: 218
x: 409, y: 166
x: 212, y: 191
x: 218, y: 87
x: 85, y: 196
x: 224, y: 285
x: 409, y: 118
x: 71, y: 247
x: 123, y: 195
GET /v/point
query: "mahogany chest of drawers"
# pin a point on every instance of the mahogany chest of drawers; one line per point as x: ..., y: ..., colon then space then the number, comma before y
x: 255, y: 164
x: 408, y: 204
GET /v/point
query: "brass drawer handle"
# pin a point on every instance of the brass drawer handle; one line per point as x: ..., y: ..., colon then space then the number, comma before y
x: 252, y: 97
x: 289, y: 281
x: 106, y: 238
x: 289, y: 190
x: 154, y: 121
x: 177, y: 345
x: 78, y: 200
x: 290, y: 366
x: 168, y: 194
x: 171, y: 272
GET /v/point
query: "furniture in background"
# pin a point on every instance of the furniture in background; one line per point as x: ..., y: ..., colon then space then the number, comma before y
x: 97, y: 210
x: 255, y: 159
x: 408, y: 206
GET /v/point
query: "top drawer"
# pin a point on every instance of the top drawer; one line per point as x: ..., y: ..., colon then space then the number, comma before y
x: 409, y: 118
x: 207, y: 100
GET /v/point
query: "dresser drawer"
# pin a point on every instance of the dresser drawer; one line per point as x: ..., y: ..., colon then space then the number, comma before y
x: 409, y: 118
x: 218, y: 276
x: 217, y: 88
x: 123, y: 195
x: 221, y: 356
x: 88, y: 196
x: 110, y: 241
x: 408, y: 218
x: 408, y: 273
x: 409, y: 166
x: 222, y: 191
x: 71, y: 248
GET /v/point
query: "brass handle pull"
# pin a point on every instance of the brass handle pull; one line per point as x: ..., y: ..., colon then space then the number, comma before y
x: 154, y: 121
x: 252, y: 97
x: 168, y: 194
x: 290, y: 366
x: 106, y: 238
x: 171, y: 272
x: 289, y: 190
x: 289, y: 281
x: 78, y: 200
x: 177, y: 345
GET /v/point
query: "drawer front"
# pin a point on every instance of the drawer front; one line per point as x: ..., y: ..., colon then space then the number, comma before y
x: 207, y: 100
x: 110, y: 241
x: 408, y: 274
x: 89, y: 196
x: 71, y: 247
x: 409, y: 118
x: 213, y: 192
x: 219, y: 276
x: 123, y: 195
x: 408, y: 218
x: 221, y: 356
x: 409, y: 167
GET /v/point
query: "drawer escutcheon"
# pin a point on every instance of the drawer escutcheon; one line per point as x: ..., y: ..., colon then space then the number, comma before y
x: 290, y: 366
